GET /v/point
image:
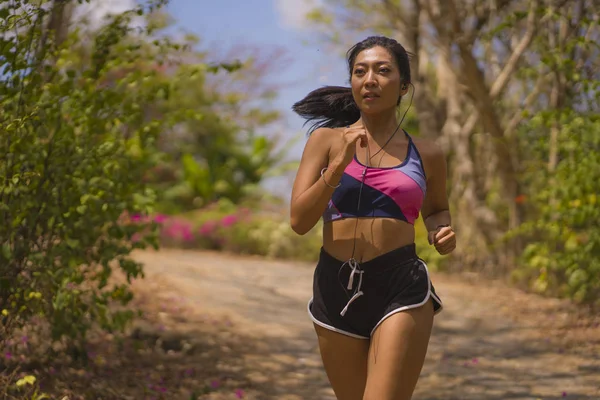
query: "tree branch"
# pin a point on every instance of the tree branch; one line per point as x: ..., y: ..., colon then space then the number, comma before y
x: 396, y: 12
x: 529, y: 100
x: 504, y: 76
x: 510, y: 66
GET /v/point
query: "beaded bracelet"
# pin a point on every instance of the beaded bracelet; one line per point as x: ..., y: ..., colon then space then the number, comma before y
x: 333, y: 187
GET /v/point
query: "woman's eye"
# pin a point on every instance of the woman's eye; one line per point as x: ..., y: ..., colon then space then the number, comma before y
x: 384, y: 70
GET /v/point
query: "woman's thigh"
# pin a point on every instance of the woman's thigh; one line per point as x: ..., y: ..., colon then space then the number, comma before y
x: 397, y: 353
x: 345, y: 362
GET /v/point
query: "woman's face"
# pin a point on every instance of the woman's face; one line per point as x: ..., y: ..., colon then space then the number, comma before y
x: 375, y: 80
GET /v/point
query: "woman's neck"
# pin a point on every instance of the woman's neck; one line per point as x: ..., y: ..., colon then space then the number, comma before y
x: 380, y: 126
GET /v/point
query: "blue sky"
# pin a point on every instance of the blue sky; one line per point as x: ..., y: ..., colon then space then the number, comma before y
x: 268, y: 24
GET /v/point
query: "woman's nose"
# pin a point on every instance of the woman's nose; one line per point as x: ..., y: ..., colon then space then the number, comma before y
x: 370, y: 79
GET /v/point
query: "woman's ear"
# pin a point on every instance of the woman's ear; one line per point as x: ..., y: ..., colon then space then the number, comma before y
x: 403, y: 89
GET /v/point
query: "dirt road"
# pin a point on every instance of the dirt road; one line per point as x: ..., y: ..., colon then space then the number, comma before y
x: 490, y: 342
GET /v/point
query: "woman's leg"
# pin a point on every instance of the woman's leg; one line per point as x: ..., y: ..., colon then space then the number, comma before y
x: 345, y: 361
x: 397, y: 354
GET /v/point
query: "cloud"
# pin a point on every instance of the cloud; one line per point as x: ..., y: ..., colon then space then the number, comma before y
x: 292, y: 13
x: 95, y: 11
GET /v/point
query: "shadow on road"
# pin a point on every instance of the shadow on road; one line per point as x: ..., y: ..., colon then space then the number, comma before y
x: 479, y: 360
x: 488, y: 343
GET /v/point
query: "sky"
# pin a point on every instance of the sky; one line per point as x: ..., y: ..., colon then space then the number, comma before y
x: 267, y: 24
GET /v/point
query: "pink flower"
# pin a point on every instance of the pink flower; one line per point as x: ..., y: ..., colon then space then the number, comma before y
x: 229, y: 220
x: 186, y: 233
x: 179, y: 230
x: 160, y: 218
x: 8, y: 355
x: 239, y: 393
x: 215, y: 384
x: 171, y: 231
x: 136, y: 218
x: 208, y: 228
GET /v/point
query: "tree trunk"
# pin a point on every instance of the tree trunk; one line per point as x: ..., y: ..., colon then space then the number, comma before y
x: 60, y: 17
x: 429, y: 114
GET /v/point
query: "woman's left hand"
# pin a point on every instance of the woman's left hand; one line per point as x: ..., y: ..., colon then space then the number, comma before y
x: 444, y: 240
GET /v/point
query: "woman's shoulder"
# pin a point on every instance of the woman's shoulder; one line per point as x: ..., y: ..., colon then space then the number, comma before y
x: 326, y: 134
x: 327, y: 138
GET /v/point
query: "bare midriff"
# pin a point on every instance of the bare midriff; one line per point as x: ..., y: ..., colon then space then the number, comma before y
x: 373, y: 237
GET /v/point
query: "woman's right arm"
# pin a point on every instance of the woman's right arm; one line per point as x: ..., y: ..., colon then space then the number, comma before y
x: 311, y: 192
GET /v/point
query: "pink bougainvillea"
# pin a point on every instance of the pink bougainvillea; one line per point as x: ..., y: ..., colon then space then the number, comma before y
x: 229, y: 220
x: 208, y: 228
x: 160, y: 218
x: 178, y: 230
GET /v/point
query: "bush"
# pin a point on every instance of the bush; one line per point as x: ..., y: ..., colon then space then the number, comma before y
x: 76, y: 142
x: 21, y: 386
x: 223, y: 226
x: 562, y: 257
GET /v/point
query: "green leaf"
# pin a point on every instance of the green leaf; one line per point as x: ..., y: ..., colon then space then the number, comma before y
x: 6, y: 252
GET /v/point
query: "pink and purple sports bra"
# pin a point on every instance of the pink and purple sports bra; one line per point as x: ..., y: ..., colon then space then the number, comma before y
x: 387, y: 192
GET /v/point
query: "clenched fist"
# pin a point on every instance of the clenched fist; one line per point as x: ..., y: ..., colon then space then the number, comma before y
x: 350, y: 135
x: 444, y: 240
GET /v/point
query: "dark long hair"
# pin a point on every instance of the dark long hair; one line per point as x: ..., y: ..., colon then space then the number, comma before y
x: 334, y: 106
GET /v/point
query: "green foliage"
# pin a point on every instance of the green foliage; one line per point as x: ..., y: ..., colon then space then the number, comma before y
x: 77, y: 140
x: 563, y: 254
x: 216, y: 152
x: 562, y: 176
x: 88, y: 121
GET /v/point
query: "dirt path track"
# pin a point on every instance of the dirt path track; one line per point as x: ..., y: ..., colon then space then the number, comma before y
x: 490, y: 342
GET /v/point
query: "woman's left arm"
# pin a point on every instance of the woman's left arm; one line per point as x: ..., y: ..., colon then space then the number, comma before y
x: 436, y: 210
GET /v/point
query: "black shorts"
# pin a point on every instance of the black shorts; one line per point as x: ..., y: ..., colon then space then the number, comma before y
x: 354, y: 298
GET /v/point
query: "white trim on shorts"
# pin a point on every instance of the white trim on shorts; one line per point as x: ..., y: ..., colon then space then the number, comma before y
x: 332, y: 328
x: 397, y: 310
x: 411, y: 306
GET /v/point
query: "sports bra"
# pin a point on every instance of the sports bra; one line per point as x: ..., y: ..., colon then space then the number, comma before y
x: 387, y: 192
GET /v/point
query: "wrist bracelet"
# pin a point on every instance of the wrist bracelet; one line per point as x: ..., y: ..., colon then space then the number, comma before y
x: 323, y: 177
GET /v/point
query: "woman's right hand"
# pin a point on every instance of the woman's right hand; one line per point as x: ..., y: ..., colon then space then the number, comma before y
x: 350, y: 135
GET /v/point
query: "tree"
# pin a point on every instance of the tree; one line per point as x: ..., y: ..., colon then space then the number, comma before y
x: 228, y: 152
x: 483, y: 71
